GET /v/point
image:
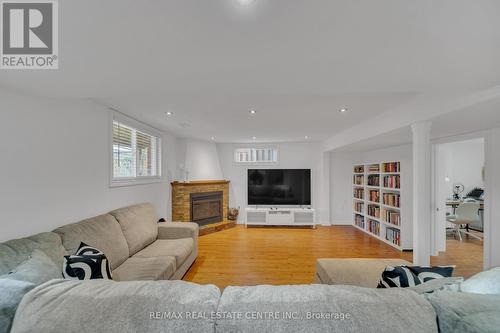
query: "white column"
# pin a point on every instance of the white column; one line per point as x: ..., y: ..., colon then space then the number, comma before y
x: 421, y: 193
x: 492, y: 200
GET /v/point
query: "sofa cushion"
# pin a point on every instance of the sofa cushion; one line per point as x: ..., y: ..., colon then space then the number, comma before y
x: 17, y: 251
x: 108, y: 306
x: 360, y: 272
x: 12, y: 292
x: 103, y: 232
x: 138, y: 224
x: 38, y: 269
x: 464, y: 312
x: 178, y: 248
x: 324, y: 308
x: 487, y: 282
x: 139, y: 269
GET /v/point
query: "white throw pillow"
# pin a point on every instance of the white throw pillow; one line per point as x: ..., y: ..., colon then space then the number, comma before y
x: 487, y: 282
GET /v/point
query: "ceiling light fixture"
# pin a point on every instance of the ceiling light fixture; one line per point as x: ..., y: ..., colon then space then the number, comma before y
x: 169, y: 113
x: 212, y: 138
x: 254, y: 138
x: 253, y: 111
x: 306, y: 137
x: 343, y: 110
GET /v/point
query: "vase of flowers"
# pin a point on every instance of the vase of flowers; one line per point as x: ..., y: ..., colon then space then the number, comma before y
x: 233, y: 213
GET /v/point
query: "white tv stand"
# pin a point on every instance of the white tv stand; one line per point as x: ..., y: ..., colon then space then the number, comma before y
x: 280, y: 216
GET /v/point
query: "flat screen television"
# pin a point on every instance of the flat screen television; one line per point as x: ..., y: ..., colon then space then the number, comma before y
x: 279, y: 187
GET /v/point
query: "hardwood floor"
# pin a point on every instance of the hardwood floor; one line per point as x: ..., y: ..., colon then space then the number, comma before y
x: 271, y: 255
x: 467, y: 255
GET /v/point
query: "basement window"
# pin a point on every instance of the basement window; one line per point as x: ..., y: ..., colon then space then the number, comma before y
x: 136, y: 153
x: 256, y: 155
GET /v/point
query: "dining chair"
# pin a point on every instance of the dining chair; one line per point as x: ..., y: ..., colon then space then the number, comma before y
x: 466, y: 213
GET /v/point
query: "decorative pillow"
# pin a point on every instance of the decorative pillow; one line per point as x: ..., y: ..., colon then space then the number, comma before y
x: 87, y: 264
x: 410, y: 276
x: 433, y: 285
x: 398, y: 277
x: 487, y: 282
x: 428, y: 273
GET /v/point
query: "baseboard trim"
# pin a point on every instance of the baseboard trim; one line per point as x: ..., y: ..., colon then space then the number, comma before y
x: 342, y: 222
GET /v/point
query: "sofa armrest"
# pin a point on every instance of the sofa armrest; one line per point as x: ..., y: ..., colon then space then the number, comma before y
x: 176, y: 230
x: 361, y: 272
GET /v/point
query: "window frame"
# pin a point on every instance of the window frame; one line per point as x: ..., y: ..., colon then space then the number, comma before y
x: 256, y: 147
x: 146, y: 129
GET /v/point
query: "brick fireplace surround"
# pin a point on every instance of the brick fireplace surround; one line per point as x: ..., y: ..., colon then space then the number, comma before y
x: 182, y: 193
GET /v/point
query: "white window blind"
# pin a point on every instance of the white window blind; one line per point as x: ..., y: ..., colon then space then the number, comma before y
x: 136, y: 154
x: 256, y: 155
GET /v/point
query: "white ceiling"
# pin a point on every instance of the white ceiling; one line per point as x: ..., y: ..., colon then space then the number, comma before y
x: 295, y: 61
x: 453, y: 126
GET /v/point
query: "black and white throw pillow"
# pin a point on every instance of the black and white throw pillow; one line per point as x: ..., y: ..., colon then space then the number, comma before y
x: 409, y: 276
x: 398, y: 277
x: 87, y: 263
x: 429, y: 273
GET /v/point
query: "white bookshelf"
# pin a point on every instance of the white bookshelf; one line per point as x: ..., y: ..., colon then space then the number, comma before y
x: 378, y: 200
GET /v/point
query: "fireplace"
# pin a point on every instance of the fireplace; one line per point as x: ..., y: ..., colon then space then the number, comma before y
x: 206, y: 207
x: 184, y: 192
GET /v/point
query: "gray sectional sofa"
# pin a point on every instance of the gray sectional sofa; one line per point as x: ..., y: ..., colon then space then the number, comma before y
x: 141, y: 249
x: 136, y: 245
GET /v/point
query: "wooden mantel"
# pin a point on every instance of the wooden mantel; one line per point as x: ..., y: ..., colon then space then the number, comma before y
x: 181, y: 191
x: 200, y: 182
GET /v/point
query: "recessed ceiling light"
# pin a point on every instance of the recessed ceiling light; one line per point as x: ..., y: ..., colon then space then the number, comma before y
x: 212, y: 138
x: 169, y: 113
x: 253, y: 111
x: 254, y: 137
x: 306, y: 137
x: 343, y: 110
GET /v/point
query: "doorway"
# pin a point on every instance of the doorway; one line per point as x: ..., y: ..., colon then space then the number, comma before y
x: 458, y: 183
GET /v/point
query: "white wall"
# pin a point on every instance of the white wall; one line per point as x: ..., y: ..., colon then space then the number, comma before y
x: 55, y: 164
x: 341, y: 169
x: 199, y: 158
x: 295, y: 155
x: 341, y: 192
x: 464, y: 162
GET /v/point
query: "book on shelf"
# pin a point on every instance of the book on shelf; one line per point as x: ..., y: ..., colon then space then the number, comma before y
x: 391, y: 199
x: 359, y: 220
x: 374, y: 227
x: 358, y: 206
x: 374, y: 168
x: 359, y: 193
x: 373, y: 180
x: 359, y: 179
x: 392, y: 181
x: 391, y: 216
x: 391, y: 167
x: 359, y: 169
x: 393, y: 235
x: 374, y: 211
x: 374, y: 195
